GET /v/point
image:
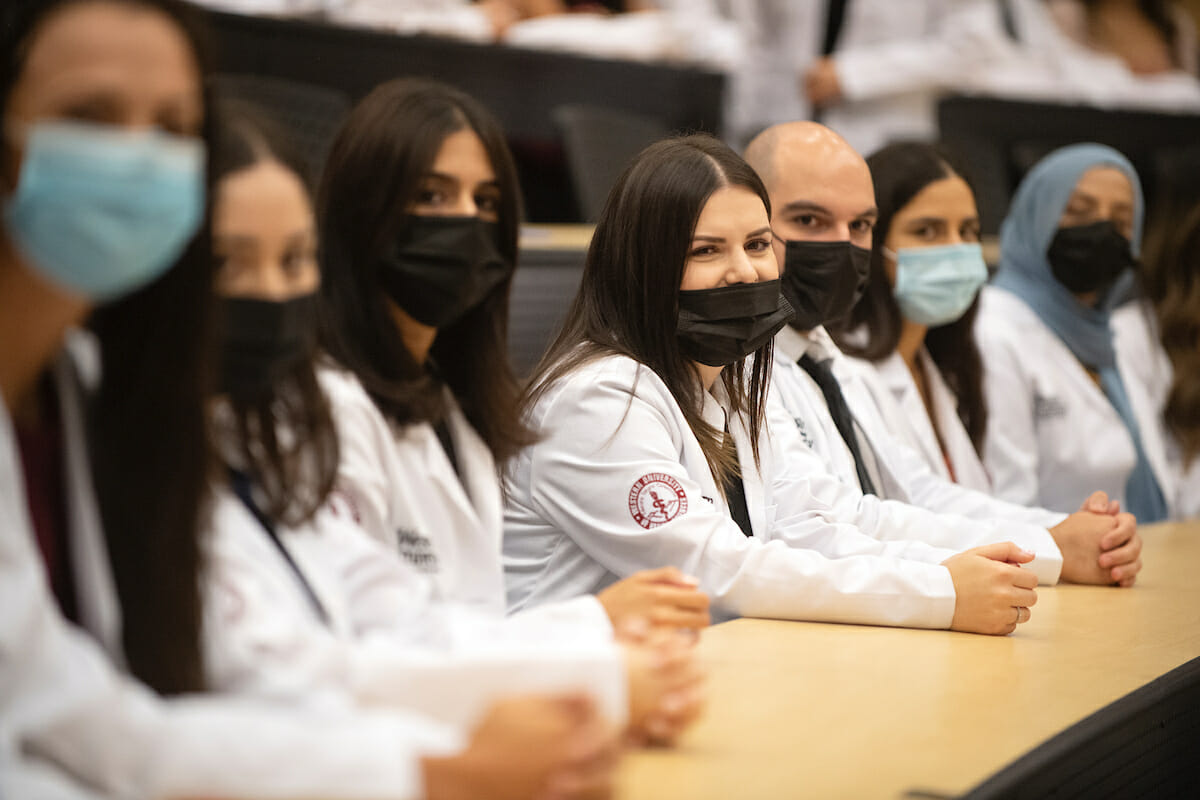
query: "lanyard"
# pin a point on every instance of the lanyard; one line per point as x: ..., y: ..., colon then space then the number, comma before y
x: 242, y: 488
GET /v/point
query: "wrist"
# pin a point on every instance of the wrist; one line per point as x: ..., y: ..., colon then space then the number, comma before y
x: 446, y: 778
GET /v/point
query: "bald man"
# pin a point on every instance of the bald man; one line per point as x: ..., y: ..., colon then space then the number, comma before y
x: 823, y: 213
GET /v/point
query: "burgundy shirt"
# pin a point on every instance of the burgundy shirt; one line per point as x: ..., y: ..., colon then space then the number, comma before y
x: 42, y: 460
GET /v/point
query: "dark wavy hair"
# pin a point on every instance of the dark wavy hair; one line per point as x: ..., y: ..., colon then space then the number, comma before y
x: 628, y: 301
x: 372, y: 176
x: 900, y: 172
x: 147, y: 423
x: 1158, y: 14
x: 1171, y: 284
x: 295, y: 471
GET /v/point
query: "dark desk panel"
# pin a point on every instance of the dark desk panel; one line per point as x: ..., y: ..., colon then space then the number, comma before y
x: 522, y: 87
x: 999, y: 140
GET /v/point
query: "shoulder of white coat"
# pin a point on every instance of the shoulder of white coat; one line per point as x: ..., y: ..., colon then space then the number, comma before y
x: 348, y: 400
x: 1004, y: 318
x: 608, y: 374
x: 340, y: 384
x: 1132, y: 322
x: 228, y: 524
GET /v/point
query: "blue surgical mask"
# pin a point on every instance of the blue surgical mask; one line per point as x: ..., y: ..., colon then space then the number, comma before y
x: 103, y: 211
x: 935, y: 285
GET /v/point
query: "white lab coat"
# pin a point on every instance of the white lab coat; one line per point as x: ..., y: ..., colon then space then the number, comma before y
x: 458, y: 19
x: 70, y: 712
x: 1053, y: 437
x: 1142, y: 360
x: 895, y: 394
x: 387, y: 641
x: 400, y: 487
x: 899, y: 474
x: 22, y: 777
x: 618, y: 483
x: 894, y: 60
x: 271, y: 8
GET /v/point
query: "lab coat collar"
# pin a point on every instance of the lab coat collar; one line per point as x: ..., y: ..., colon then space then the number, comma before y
x: 794, y: 345
x: 752, y: 481
x: 76, y: 372
x: 895, y: 375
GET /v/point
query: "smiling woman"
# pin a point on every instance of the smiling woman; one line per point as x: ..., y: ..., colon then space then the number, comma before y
x: 657, y: 445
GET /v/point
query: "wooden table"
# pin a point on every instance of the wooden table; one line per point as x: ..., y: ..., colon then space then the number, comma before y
x: 819, y: 710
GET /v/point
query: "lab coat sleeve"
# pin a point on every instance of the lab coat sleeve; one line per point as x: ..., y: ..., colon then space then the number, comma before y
x: 63, y: 703
x: 404, y: 651
x: 805, y: 488
x: 585, y: 615
x: 966, y: 40
x: 1027, y: 526
x: 601, y: 437
x: 362, y: 491
x: 1010, y: 449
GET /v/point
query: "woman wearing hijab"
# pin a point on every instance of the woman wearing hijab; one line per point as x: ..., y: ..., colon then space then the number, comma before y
x: 1061, y: 419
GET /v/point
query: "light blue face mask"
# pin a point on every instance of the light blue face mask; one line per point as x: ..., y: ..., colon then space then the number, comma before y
x: 102, y: 211
x: 935, y: 285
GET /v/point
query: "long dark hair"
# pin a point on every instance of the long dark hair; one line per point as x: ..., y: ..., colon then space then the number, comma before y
x: 628, y: 301
x: 1158, y: 13
x: 295, y: 471
x: 1171, y: 283
x: 900, y: 172
x: 147, y: 423
x: 373, y: 175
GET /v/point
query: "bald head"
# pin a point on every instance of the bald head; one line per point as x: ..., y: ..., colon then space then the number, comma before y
x: 820, y: 187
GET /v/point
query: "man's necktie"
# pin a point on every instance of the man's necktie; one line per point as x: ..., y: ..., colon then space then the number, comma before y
x: 822, y: 373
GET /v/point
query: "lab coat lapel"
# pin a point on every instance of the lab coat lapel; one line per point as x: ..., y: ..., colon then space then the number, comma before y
x: 752, y: 481
x: 99, y: 610
x: 968, y: 470
x: 476, y: 496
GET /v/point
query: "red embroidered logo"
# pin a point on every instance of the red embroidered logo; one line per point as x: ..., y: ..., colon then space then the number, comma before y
x: 656, y: 499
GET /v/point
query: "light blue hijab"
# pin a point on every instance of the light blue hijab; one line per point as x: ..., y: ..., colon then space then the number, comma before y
x: 1025, y: 237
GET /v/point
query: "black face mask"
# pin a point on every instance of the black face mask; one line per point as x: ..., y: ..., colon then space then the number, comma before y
x: 262, y: 340
x: 720, y: 326
x: 823, y: 280
x: 442, y: 267
x: 1089, y: 258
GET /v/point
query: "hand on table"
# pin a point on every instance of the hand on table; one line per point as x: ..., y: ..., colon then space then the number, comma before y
x: 661, y: 597
x: 1100, y: 545
x: 992, y: 593
x: 666, y: 685
x: 531, y: 748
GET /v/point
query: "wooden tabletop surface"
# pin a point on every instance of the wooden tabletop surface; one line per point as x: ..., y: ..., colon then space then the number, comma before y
x: 803, y: 709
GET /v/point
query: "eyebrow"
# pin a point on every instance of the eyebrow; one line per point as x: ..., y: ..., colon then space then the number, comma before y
x: 700, y: 237
x: 244, y: 240
x: 804, y: 205
x: 441, y: 176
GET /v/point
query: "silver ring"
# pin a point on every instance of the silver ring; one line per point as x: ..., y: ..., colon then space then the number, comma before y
x: 1017, y: 621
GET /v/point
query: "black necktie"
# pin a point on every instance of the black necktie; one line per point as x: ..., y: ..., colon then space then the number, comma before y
x: 835, y: 14
x: 1008, y: 19
x: 735, y: 491
x: 822, y: 373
